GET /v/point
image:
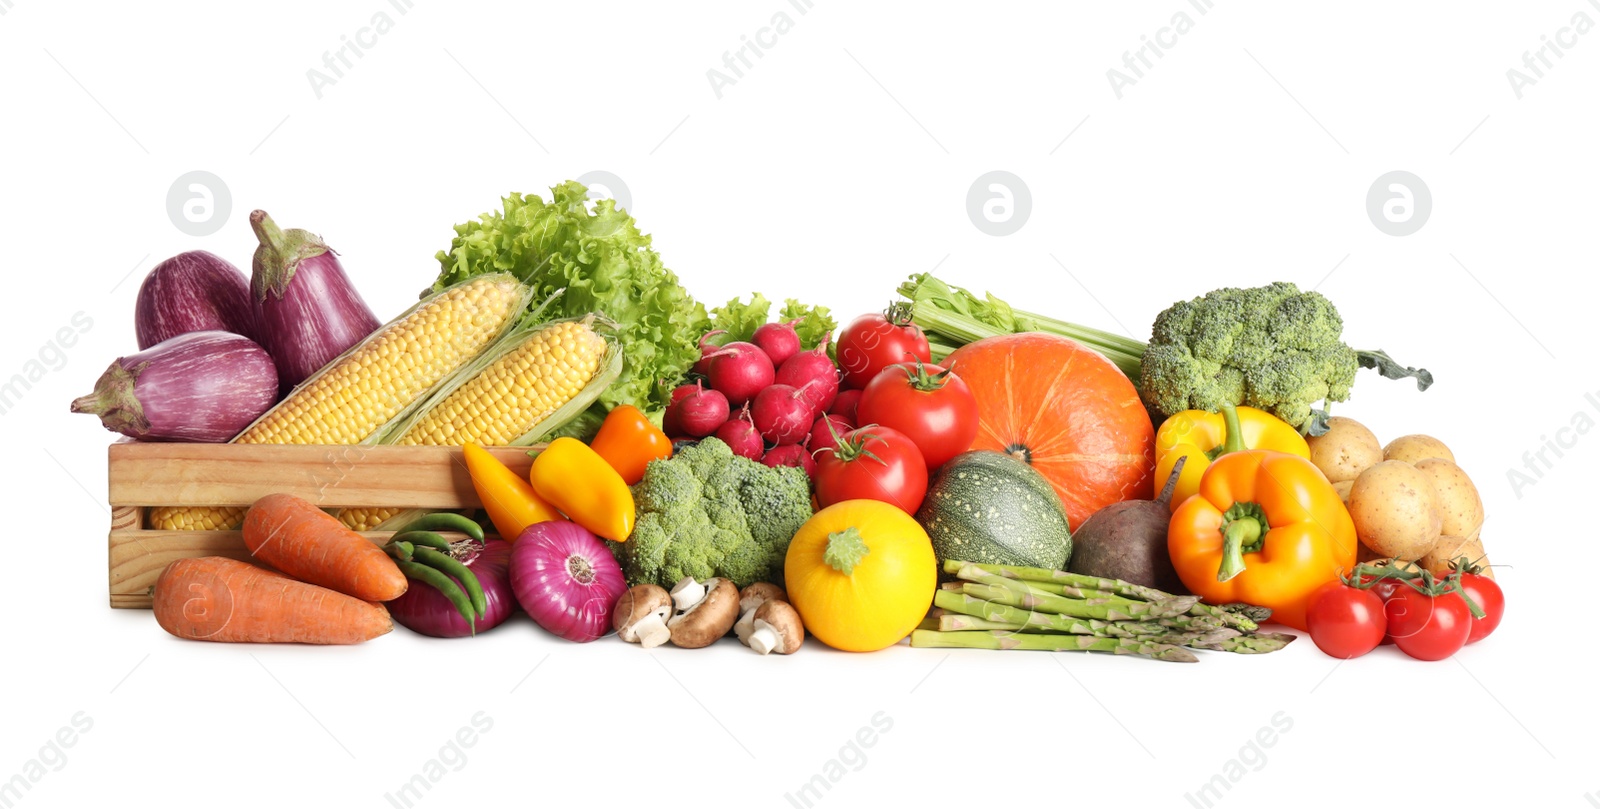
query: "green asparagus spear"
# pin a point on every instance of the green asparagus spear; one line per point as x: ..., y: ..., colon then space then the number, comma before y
x: 923, y: 638
x: 1118, y: 609
x: 1237, y: 621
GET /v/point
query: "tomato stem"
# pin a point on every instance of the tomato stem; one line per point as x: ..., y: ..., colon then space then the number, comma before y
x: 923, y: 381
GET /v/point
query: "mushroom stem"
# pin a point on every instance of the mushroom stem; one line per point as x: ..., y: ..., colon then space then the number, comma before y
x: 764, y: 638
x: 687, y: 593
x: 746, y: 625
x: 651, y: 630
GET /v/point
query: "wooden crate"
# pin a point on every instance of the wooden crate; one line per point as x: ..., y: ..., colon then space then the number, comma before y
x: 144, y: 475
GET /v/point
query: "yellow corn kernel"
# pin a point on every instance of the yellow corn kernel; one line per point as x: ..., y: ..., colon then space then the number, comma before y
x: 515, y: 392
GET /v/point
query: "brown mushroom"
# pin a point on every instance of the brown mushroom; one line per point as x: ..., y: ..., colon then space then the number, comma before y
x: 749, y: 599
x: 641, y: 615
x: 709, y: 618
x: 777, y: 629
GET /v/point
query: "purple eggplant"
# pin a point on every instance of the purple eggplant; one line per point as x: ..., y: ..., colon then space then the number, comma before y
x: 201, y: 386
x: 307, y: 311
x: 193, y: 291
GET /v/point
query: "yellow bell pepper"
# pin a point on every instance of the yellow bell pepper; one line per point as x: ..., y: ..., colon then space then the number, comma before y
x: 1203, y: 437
x: 574, y: 478
x: 509, y: 500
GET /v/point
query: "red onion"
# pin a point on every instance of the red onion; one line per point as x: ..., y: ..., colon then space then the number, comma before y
x: 193, y: 291
x: 307, y: 311
x: 425, y: 610
x: 566, y: 580
x: 201, y: 386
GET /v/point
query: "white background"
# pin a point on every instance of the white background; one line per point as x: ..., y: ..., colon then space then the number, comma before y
x: 837, y: 166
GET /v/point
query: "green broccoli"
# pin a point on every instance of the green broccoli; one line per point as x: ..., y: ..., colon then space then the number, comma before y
x: 707, y: 512
x: 1273, y: 347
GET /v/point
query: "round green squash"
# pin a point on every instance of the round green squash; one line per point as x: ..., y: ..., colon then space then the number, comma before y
x: 991, y: 508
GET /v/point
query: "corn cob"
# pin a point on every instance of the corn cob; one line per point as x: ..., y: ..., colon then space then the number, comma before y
x: 503, y: 402
x: 374, y: 382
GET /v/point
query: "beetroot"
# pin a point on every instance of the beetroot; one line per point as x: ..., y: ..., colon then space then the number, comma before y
x: 822, y: 438
x: 779, y: 340
x: 791, y: 455
x: 700, y: 413
x: 741, y: 436
x: 782, y: 413
x: 812, y: 372
x: 844, y: 404
x: 739, y: 371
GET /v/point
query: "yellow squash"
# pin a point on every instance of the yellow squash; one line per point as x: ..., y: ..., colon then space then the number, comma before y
x: 862, y: 575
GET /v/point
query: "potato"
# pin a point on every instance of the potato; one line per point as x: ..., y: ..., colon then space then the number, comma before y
x: 1343, y: 488
x: 1413, y: 448
x: 1401, y: 564
x: 1459, y: 501
x: 1396, y: 510
x: 1450, y: 548
x: 1345, y: 450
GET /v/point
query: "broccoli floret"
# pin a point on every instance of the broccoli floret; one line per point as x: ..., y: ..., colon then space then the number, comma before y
x: 707, y: 512
x: 1273, y: 347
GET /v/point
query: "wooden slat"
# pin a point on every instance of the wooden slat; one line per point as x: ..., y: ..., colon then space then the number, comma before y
x: 138, y: 557
x: 168, y: 474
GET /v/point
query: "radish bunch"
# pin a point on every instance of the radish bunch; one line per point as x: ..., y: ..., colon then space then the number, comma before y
x: 766, y: 399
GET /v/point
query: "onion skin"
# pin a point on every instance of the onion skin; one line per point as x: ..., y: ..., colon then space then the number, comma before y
x: 426, y: 611
x: 306, y: 310
x: 193, y: 291
x: 543, y: 578
x: 204, y: 386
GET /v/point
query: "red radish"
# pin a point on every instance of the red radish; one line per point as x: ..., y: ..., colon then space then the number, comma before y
x: 791, y: 455
x: 779, y: 340
x: 812, y: 372
x: 681, y: 391
x: 739, y: 371
x: 782, y: 413
x: 741, y: 436
x: 845, y: 404
x: 826, y: 431
x: 699, y: 414
x: 707, y: 348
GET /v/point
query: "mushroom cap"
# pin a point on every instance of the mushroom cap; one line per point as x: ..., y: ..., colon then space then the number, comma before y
x: 758, y: 593
x: 784, y: 620
x: 639, y: 601
x: 710, y: 618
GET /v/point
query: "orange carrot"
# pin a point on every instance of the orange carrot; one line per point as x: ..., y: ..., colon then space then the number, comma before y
x: 219, y: 599
x: 305, y: 542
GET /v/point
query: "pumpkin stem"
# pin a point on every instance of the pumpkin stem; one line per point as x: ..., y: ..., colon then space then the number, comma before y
x: 845, y: 550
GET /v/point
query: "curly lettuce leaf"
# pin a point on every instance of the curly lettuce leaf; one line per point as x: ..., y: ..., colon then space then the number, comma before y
x: 816, y: 322
x: 597, y: 254
x: 739, y: 319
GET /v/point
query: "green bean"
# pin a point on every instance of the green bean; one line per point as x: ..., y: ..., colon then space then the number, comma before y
x: 424, y: 538
x: 443, y: 584
x: 450, y: 565
x: 400, y: 550
x: 445, y: 521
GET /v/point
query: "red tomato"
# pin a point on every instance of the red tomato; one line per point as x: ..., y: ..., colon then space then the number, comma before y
x: 1345, y: 622
x: 1428, y: 627
x: 872, y: 342
x: 873, y: 463
x: 932, y: 406
x: 1487, y: 595
x: 1384, y: 590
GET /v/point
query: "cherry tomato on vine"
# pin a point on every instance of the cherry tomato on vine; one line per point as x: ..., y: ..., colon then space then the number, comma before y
x: 1428, y: 627
x: 1487, y: 595
x: 1344, y: 621
x: 873, y: 463
x: 872, y: 342
x: 928, y: 403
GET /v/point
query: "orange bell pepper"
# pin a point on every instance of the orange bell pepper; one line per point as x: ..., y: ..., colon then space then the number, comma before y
x: 1203, y: 437
x: 1265, y: 528
x: 574, y: 478
x: 629, y: 441
x: 509, y: 500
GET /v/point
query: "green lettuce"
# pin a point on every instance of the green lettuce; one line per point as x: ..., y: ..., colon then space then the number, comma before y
x: 597, y: 254
x: 740, y: 320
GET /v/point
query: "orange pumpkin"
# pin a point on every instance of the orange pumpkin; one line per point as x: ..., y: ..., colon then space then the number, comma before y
x: 1066, y: 409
